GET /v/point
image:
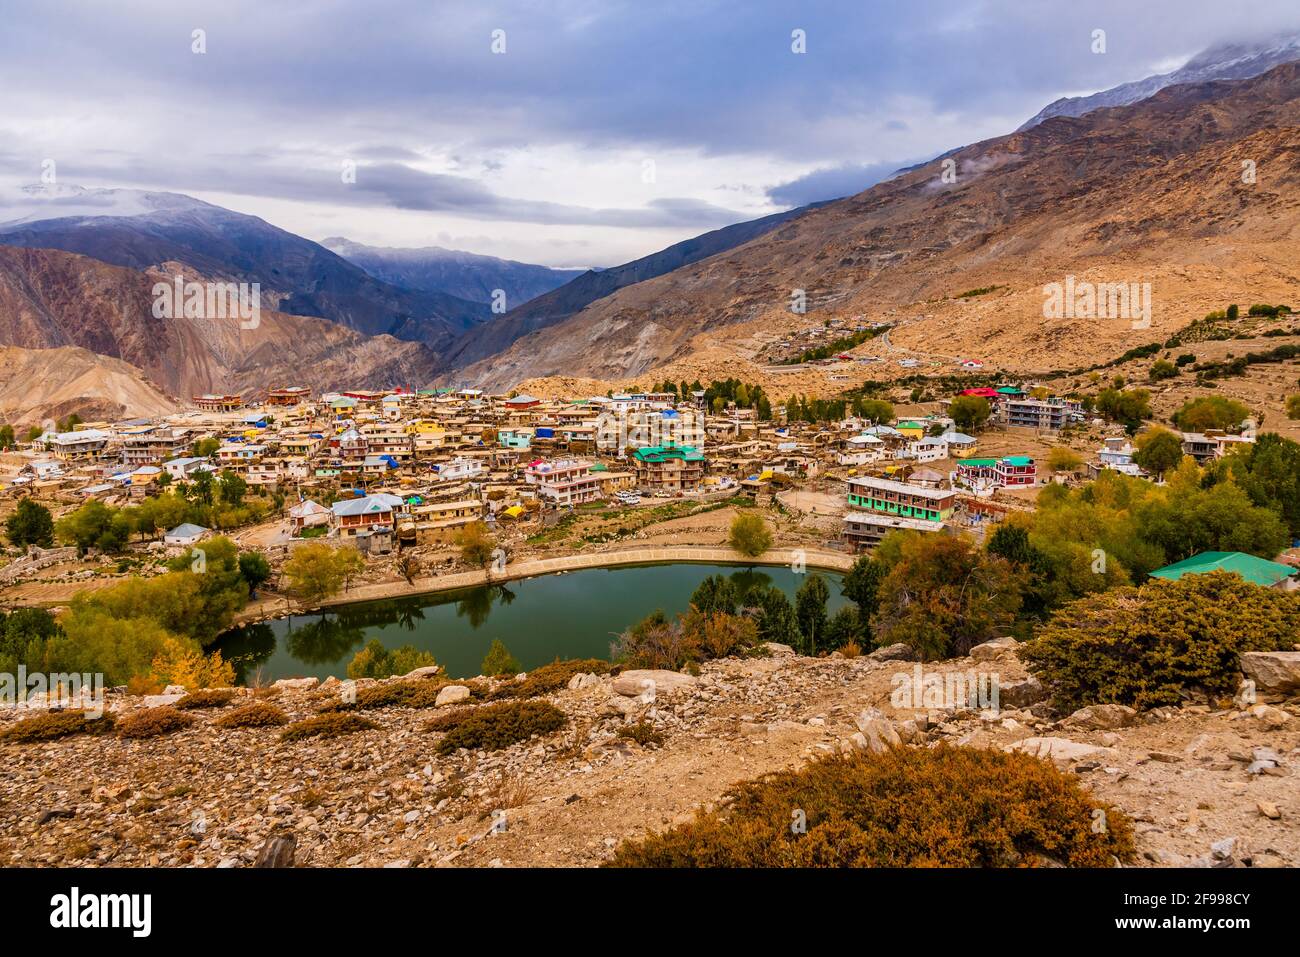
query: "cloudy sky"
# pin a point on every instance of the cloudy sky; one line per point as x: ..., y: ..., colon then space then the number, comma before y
x: 604, y: 130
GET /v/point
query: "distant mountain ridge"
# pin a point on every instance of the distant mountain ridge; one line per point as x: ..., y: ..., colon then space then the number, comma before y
x: 1224, y: 61
x: 468, y: 276
x: 558, y: 305
x: 140, y: 229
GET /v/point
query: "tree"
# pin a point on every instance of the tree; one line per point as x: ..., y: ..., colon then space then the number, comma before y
x: 715, y: 593
x: 776, y: 619
x: 1064, y: 459
x: 204, y: 447
x: 30, y: 524
x: 1129, y: 408
x: 810, y: 611
x: 1158, y: 451
x: 1162, y: 369
x: 1269, y: 471
x: 1292, y: 408
x: 376, y: 661
x: 1210, y: 412
x: 94, y: 525
x: 944, y: 596
x: 476, y: 544
x: 231, y: 488
x: 34, y: 433
x: 969, y: 412
x: 254, y: 569
x: 845, y: 627
x: 749, y: 535
x: 315, y: 571
x: 499, y: 661
x: 862, y: 583
x: 873, y: 410
x: 7, y: 439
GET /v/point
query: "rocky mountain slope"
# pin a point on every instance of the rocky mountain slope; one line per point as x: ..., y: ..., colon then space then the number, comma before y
x: 141, y: 229
x: 1224, y: 61
x: 41, y: 384
x: 465, y: 275
x: 51, y: 299
x: 1149, y: 193
x: 556, y: 306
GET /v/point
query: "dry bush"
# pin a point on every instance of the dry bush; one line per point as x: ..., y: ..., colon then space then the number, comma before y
x: 643, y: 733
x: 416, y: 693
x: 547, y: 679
x: 153, y: 723
x: 326, y: 726
x: 259, y: 714
x: 207, y: 698
x: 56, y: 724
x: 496, y: 726
x: 908, y: 807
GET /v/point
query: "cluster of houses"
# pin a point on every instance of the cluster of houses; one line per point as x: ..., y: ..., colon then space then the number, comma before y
x: 400, y: 467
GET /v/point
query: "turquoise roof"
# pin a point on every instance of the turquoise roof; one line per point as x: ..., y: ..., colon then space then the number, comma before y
x: 1261, y: 571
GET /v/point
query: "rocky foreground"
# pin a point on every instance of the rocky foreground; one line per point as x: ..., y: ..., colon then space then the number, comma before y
x: 1205, y: 787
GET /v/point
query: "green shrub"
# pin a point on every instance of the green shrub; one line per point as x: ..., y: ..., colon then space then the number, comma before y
x: 496, y: 726
x: 207, y: 698
x: 153, y: 723
x: 326, y: 726
x: 908, y: 807
x: 1150, y: 646
x: 376, y: 661
x: 56, y: 724
x: 499, y: 661
x: 259, y: 714
x: 548, y: 679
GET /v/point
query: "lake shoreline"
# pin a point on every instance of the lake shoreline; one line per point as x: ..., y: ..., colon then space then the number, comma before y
x: 818, y: 559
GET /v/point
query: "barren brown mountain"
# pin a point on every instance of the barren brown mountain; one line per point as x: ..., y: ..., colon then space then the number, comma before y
x: 50, y: 299
x: 1156, y: 192
x: 47, y: 384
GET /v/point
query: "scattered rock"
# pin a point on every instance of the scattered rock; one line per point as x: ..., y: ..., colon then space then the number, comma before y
x: 1101, y: 717
x: 278, y: 851
x: 452, y: 694
x: 1021, y: 694
x: 1269, y: 810
x: 995, y: 649
x: 778, y: 650
x: 1274, y: 672
x: 428, y: 671
x: 1058, y: 749
x: 899, y: 651
x: 638, y: 681
x: 296, y: 684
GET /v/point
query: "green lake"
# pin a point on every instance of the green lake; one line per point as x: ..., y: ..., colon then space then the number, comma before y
x: 569, y: 615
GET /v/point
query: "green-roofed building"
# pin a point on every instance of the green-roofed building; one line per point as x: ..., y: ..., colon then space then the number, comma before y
x: 1258, y: 570
x: 668, y: 468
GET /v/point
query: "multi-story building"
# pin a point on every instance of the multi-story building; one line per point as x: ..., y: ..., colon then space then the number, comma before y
x: 67, y: 446
x: 1213, y: 443
x: 874, y: 494
x: 151, y: 445
x: 1116, y: 453
x: 438, y: 522
x: 1013, y: 471
x: 288, y: 396
x: 617, y: 431
x: 1051, y: 413
x: 864, y: 529
x: 668, y: 468
x: 219, y: 403
x: 355, y: 515
x: 565, y: 482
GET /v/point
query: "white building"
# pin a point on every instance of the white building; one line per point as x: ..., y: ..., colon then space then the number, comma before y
x: 619, y: 430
